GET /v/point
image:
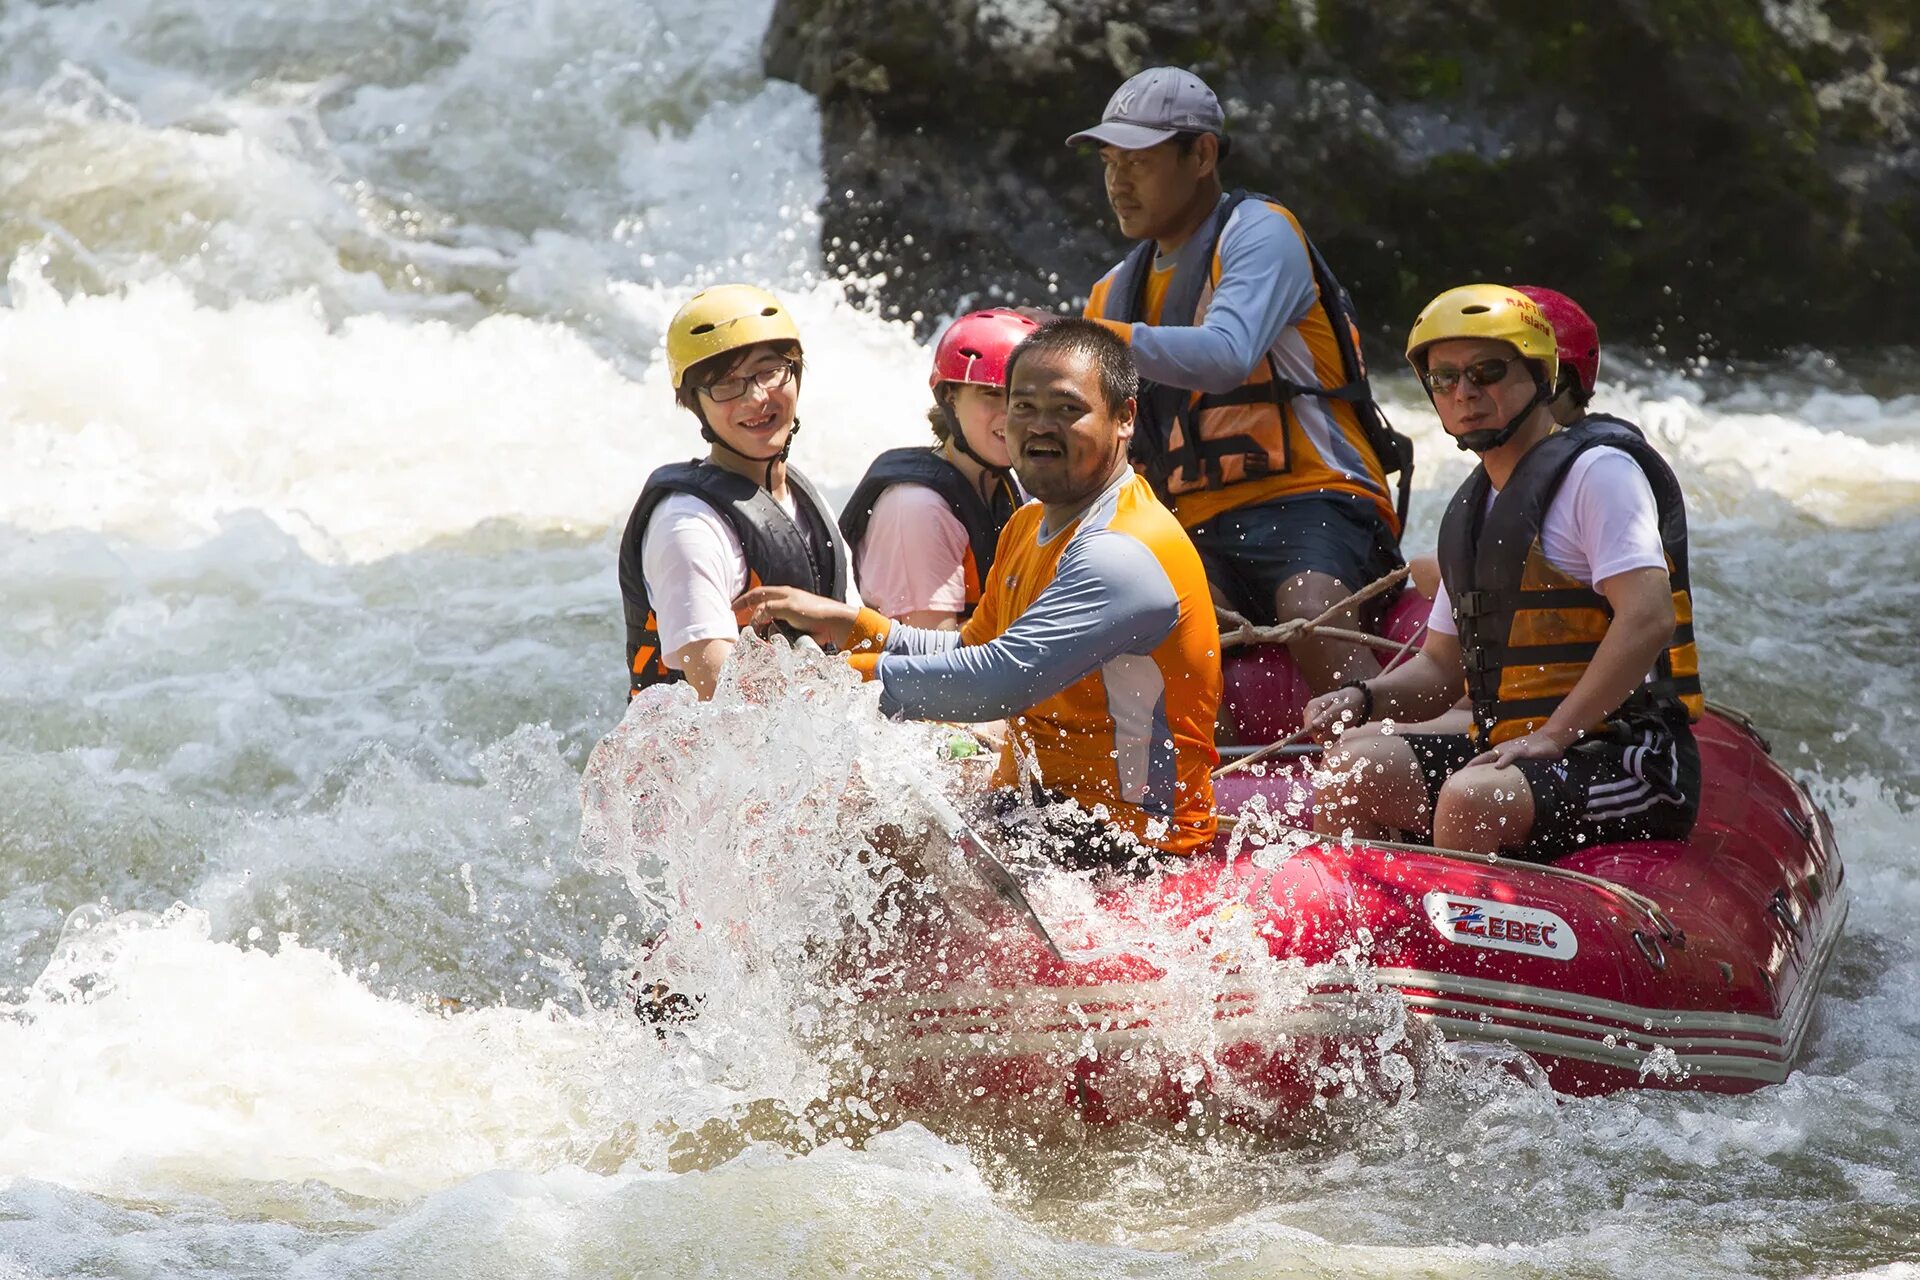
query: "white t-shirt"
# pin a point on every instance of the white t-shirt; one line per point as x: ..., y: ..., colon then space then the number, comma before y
x: 914, y: 555
x: 695, y: 568
x: 1603, y: 522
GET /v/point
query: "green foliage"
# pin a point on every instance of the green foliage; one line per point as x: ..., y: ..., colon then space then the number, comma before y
x: 1659, y: 159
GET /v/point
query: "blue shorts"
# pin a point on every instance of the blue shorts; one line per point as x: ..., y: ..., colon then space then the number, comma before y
x: 1252, y: 552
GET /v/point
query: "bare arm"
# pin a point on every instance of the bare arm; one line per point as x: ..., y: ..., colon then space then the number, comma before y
x: 1419, y: 689
x: 700, y: 662
x: 828, y: 621
x: 1643, y: 620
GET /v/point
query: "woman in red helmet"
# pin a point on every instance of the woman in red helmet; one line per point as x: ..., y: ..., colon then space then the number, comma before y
x: 1577, y: 342
x: 923, y: 522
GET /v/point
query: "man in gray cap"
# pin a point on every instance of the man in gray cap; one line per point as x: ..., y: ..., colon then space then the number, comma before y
x: 1258, y: 428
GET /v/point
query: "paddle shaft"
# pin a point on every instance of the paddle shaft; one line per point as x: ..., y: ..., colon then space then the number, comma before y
x: 981, y: 860
x: 1295, y: 739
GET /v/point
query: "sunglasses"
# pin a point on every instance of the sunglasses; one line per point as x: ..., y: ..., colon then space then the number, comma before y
x: 1481, y: 373
x: 767, y: 379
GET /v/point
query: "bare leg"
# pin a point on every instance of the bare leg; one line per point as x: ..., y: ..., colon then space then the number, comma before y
x: 1483, y: 809
x: 1374, y: 788
x: 1324, y: 664
x: 1425, y: 575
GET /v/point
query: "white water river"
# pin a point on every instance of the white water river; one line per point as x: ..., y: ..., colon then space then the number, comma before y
x: 327, y: 378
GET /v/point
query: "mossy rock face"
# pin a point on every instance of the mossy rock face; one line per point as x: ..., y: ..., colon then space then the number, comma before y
x: 1718, y: 175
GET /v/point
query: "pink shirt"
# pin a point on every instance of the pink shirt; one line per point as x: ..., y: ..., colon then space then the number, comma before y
x: 914, y: 557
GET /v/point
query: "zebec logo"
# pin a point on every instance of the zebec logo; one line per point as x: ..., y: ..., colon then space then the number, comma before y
x: 1500, y: 926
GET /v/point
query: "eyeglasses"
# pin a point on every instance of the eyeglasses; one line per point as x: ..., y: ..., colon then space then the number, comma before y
x: 1481, y: 373
x: 777, y: 375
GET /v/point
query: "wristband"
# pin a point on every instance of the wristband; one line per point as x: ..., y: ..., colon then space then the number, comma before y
x: 1366, y: 699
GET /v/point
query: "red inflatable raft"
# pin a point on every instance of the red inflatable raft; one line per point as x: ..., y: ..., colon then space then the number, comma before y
x: 1275, y: 971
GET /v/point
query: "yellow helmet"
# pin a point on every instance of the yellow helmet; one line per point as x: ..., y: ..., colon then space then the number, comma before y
x: 1486, y: 311
x: 724, y: 318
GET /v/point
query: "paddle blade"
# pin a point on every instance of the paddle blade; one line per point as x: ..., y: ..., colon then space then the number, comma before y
x: 986, y: 867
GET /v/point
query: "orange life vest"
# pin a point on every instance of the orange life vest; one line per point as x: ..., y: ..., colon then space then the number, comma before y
x: 1253, y: 440
x: 1075, y: 738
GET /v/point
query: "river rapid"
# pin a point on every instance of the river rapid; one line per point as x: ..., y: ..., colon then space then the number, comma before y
x: 328, y: 374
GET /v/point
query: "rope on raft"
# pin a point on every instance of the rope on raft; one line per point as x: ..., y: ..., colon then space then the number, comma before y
x: 1236, y: 630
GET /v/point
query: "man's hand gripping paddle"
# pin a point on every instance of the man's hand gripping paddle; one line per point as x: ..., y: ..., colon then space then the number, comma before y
x: 980, y: 858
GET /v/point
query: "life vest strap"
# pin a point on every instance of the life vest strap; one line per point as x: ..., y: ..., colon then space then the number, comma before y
x: 1485, y: 603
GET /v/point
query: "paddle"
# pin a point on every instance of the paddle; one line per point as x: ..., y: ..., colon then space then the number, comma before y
x: 980, y: 858
x: 1267, y: 752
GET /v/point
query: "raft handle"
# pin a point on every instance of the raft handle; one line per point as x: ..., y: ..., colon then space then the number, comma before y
x: 1744, y: 720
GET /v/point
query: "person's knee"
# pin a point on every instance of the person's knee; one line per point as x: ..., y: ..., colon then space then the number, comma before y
x: 1308, y: 595
x: 1425, y: 574
x: 1354, y: 772
x: 1495, y: 799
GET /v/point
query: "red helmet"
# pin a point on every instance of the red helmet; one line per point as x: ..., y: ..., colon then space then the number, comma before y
x: 976, y: 346
x: 1574, y: 333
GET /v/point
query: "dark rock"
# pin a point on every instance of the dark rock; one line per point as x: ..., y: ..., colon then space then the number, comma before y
x: 1717, y: 175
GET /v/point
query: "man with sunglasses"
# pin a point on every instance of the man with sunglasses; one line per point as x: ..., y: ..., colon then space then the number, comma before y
x: 1576, y: 342
x: 1257, y: 425
x: 1564, y: 608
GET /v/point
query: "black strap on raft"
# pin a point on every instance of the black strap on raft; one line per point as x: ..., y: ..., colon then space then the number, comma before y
x: 983, y: 520
x: 1162, y: 405
x: 777, y: 553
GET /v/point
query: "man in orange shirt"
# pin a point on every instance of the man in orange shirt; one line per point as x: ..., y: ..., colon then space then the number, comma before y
x: 1256, y: 423
x: 1095, y: 636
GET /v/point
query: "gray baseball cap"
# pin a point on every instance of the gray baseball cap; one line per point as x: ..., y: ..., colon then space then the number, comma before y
x: 1153, y: 106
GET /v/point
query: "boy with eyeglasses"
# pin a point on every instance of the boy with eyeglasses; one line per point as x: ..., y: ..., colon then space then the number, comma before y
x: 706, y: 530
x: 1564, y: 608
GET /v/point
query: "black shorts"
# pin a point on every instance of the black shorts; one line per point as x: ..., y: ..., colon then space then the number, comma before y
x: 1049, y: 825
x: 1639, y: 780
x: 1251, y: 552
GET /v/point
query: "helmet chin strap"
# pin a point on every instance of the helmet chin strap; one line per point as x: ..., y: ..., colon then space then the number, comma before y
x: 1493, y: 437
x: 712, y: 437
x: 958, y: 439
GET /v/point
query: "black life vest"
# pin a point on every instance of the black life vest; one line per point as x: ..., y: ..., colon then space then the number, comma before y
x: 1604, y: 420
x: 777, y: 554
x: 1186, y: 440
x: 1528, y: 630
x: 983, y: 521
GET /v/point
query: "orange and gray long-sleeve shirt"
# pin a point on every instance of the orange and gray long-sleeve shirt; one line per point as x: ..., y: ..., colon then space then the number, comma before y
x: 1098, y: 642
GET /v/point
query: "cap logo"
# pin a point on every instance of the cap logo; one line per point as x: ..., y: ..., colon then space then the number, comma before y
x: 1123, y: 102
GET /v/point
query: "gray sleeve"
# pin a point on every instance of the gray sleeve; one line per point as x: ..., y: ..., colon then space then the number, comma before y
x: 1109, y: 596
x: 919, y: 641
x: 1266, y: 285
